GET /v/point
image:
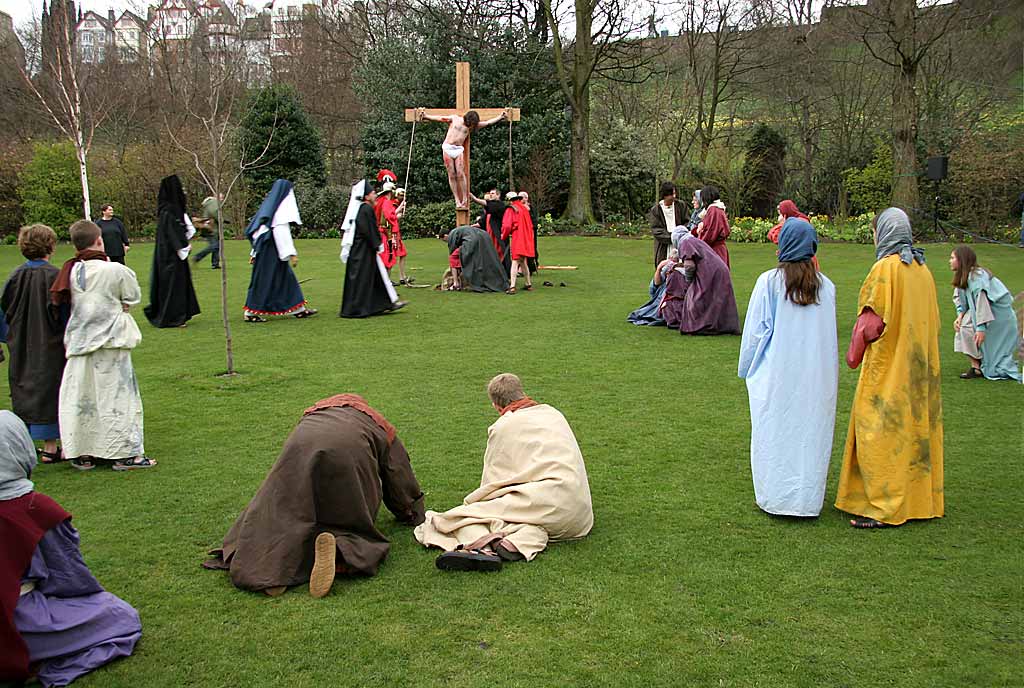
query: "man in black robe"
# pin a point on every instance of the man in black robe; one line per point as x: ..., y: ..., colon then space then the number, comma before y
x: 494, y: 213
x: 480, y: 268
x: 368, y: 289
x: 172, y: 298
x: 35, y: 338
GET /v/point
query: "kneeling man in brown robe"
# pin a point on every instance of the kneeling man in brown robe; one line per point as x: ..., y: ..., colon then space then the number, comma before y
x: 534, y: 489
x: 313, y: 516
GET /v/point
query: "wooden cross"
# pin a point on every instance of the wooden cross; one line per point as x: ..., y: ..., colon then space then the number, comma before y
x: 461, y: 108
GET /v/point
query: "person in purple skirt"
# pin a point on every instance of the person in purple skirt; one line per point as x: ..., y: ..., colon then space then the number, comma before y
x: 57, y: 623
x: 699, y: 299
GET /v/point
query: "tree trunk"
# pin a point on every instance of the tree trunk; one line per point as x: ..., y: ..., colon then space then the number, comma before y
x: 579, y: 207
x: 808, y: 143
x: 83, y: 175
x: 224, y: 293
x: 904, y: 105
x: 904, y: 138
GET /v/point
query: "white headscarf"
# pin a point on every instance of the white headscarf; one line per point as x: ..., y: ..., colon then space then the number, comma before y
x: 348, y: 225
x: 17, y: 457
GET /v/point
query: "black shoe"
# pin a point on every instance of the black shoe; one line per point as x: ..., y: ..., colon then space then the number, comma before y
x: 398, y: 304
x: 466, y: 560
x: 216, y: 267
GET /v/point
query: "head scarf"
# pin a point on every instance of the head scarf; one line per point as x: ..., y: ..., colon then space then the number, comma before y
x: 893, y: 235
x: 348, y: 225
x: 17, y: 457
x: 278, y: 208
x: 171, y: 197
x: 788, y: 209
x: 680, y: 233
x: 797, y: 241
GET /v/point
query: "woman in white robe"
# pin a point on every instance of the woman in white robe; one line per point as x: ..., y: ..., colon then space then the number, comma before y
x: 789, y: 357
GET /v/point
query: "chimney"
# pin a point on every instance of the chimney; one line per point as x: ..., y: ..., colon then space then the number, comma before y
x: 110, y: 17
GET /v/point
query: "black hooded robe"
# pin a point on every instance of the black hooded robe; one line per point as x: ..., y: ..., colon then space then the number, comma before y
x: 172, y: 298
x: 365, y: 293
x: 481, y: 269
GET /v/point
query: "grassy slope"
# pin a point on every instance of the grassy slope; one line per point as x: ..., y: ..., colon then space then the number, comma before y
x: 683, y: 581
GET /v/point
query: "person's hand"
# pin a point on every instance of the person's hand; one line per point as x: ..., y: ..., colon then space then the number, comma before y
x: 127, y: 248
x: 979, y: 339
x: 252, y: 260
x: 125, y: 307
x: 294, y: 260
x: 956, y: 323
x: 420, y: 112
x: 505, y: 115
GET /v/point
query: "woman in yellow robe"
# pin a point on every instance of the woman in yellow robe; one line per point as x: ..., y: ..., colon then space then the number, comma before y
x: 892, y: 465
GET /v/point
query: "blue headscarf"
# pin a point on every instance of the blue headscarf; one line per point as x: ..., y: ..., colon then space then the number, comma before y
x: 265, y: 215
x: 797, y: 241
x: 893, y: 235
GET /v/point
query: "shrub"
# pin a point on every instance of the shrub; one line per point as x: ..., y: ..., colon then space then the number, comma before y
x: 870, y: 187
x: 50, y: 189
x: 429, y: 219
x: 320, y: 206
x: 764, y: 171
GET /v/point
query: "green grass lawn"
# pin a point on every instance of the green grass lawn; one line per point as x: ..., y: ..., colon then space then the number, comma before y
x: 683, y: 582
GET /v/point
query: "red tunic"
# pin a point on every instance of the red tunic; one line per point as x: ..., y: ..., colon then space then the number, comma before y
x: 517, y: 226
x: 714, y: 229
x: 384, y: 209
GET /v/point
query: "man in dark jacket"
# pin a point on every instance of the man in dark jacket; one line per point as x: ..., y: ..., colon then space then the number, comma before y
x: 666, y: 215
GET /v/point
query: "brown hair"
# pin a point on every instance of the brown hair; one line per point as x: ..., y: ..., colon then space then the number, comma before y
x: 36, y: 241
x: 966, y: 262
x: 83, y: 234
x: 471, y: 118
x: 505, y: 388
x: 802, y: 282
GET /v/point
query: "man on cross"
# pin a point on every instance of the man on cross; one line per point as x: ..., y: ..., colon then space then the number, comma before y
x: 454, y: 147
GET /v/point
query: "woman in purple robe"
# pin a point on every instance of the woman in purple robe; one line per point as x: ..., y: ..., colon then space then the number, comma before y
x: 698, y: 294
x: 57, y: 623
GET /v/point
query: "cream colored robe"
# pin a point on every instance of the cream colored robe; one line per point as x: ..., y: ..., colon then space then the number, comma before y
x: 534, y: 488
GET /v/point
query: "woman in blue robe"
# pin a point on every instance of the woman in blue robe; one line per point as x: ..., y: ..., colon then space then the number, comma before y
x: 986, y: 328
x: 650, y: 312
x: 273, y: 289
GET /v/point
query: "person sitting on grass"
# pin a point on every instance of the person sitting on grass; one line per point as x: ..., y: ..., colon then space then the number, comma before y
x: 57, y: 623
x: 534, y: 489
x: 100, y: 409
x: 35, y: 339
x: 314, y: 515
x: 699, y: 298
x: 986, y: 330
x: 650, y: 312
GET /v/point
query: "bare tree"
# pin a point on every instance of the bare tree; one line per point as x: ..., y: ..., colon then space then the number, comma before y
x: 206, y: 74
x: 66, y: 89
x: 900, y: 34
x: 601, y: 47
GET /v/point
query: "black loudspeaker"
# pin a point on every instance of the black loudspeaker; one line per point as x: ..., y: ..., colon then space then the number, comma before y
x: 937, y: 168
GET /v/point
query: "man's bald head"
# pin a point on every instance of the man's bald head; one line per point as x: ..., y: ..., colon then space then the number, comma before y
x: 505, y: 389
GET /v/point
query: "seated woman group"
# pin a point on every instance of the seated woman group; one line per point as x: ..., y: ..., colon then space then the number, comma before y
x: 692, y: 291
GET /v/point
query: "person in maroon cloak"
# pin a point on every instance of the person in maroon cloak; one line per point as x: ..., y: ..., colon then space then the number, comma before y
x: 788, y: 209
x: 314, y: 515
x: 713, y: 230
x: 56, y: 620
x: 698, y: 295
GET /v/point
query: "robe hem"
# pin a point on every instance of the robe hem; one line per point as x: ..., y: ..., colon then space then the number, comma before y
x: 289, y: 311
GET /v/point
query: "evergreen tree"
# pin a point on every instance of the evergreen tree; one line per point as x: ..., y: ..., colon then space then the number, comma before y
x: 764, y: 171
x: 296, y: 150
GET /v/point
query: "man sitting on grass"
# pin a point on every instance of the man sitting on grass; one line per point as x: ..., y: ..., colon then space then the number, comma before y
x: 314, y: 515
x: 534, y: 489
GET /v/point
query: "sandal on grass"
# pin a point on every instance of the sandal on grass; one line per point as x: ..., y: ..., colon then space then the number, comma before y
x: 133, y: 463
x: 52, y: 457
x: 528, y: 287
x: 308, y: 313
x: 83, y: 464
x: 868, y: 523
x: 468, y: 560
x: 321, y: 579
x: 510, y: 291
x: 255, y: 318
x: 972, y: 374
